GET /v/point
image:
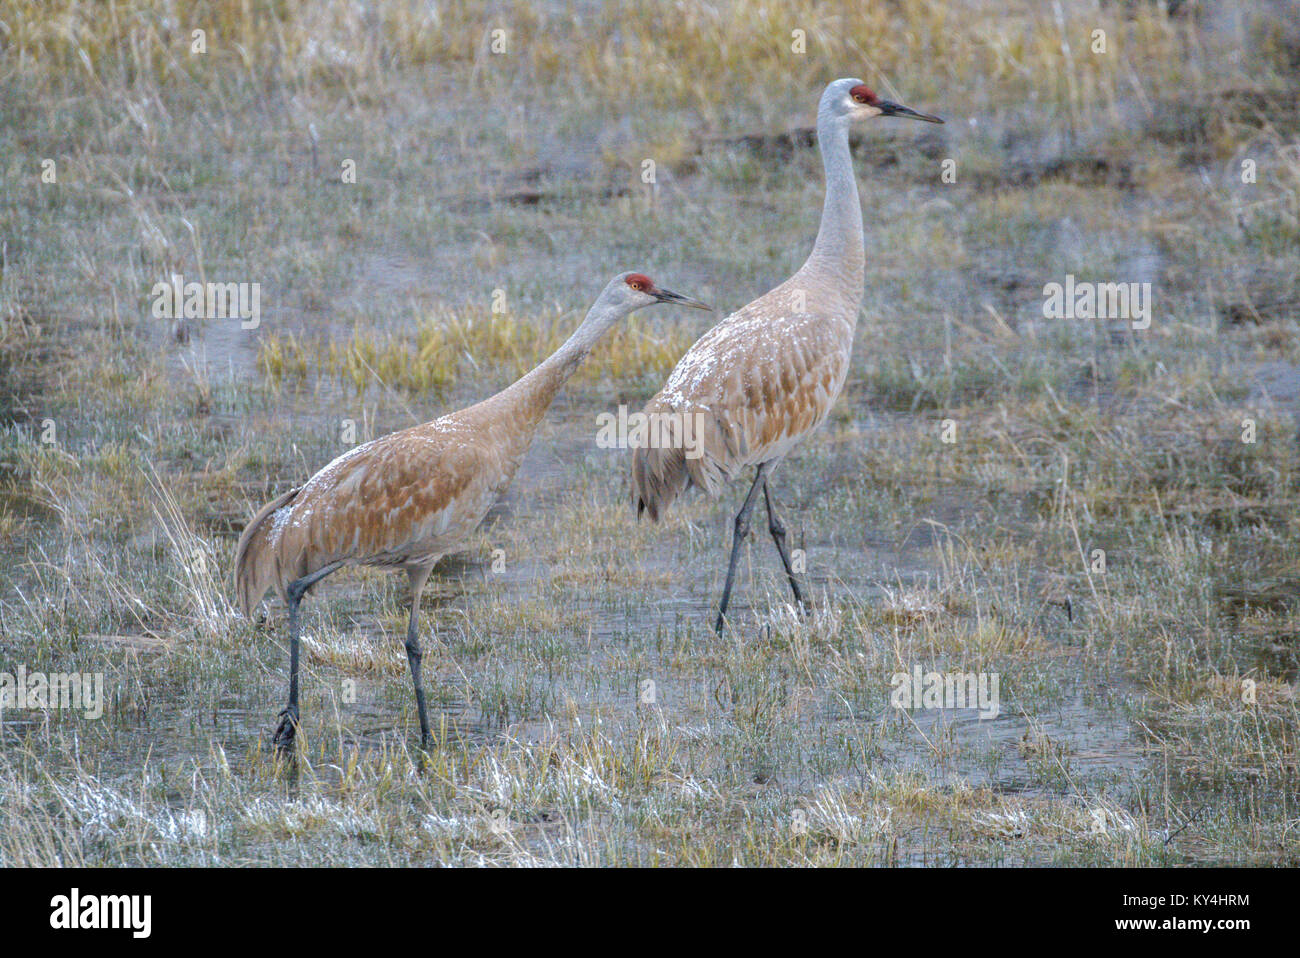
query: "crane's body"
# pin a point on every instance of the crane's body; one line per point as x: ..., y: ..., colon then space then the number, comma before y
x: 405, y: 500
x: 401, y: 501
x: 768, y: 374
x: 762, y: 380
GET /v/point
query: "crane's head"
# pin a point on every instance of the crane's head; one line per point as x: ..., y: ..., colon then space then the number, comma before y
x: 850, y: 99
x: 629, y: 291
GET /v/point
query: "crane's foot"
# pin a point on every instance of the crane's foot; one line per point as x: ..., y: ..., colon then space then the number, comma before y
x: 287, y: 730
x: 422, y: 755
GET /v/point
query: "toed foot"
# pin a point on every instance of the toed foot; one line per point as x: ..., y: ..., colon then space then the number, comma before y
x: 287, y: 729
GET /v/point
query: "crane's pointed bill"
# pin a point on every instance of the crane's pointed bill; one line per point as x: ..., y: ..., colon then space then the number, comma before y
x: 897, y: 109
x: 667, y: 296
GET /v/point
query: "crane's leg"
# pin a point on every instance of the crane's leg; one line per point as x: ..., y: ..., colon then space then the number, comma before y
x: 418, y: 578
x: 777, y: 528
x: 288, y: 727
x: 742, y: 530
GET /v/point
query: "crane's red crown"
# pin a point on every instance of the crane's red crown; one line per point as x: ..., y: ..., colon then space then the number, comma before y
x: 864, y: 94
x: 640, y: 282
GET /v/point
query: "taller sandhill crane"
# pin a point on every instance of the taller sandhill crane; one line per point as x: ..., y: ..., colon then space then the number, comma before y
x: 768, y: 374
x: 406, y: 499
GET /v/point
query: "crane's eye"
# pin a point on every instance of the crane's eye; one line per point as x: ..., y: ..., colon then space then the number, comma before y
x: 639, y: 282
x: 862, y: 94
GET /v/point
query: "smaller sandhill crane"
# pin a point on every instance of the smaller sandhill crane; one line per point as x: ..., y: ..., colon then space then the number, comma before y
x: 405, y: 500
x: 768, y: 374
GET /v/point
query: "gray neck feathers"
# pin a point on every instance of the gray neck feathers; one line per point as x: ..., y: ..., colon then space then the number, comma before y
x: 544, y: 381
x: 839, y: 240
x: 599, y: 319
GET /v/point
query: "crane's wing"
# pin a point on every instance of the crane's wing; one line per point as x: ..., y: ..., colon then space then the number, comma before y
x: 744, y: 394
x: 402, y: 499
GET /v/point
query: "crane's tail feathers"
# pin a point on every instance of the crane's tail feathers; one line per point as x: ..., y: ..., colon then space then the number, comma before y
x: 257, y: 560
x: 683, y: 453
x: 658, y: 477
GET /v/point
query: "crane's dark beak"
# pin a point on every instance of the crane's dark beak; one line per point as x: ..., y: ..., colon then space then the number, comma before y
x: 667, y: 296
x: 897, y: 109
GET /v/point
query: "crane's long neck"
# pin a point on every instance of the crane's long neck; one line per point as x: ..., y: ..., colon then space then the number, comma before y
x: 839, y: 250
x: 532, y: 395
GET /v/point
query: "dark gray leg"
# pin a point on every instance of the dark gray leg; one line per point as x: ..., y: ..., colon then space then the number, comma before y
x: 288, y: 727
x: 777, y: 528
x: 742, y: 530
x: 413, y: 654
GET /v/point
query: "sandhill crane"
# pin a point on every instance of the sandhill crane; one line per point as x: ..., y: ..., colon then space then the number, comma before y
x: 406, y: 499
x: 758, y: 382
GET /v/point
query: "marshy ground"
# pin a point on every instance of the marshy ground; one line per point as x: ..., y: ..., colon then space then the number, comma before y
x: 585, y: 712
